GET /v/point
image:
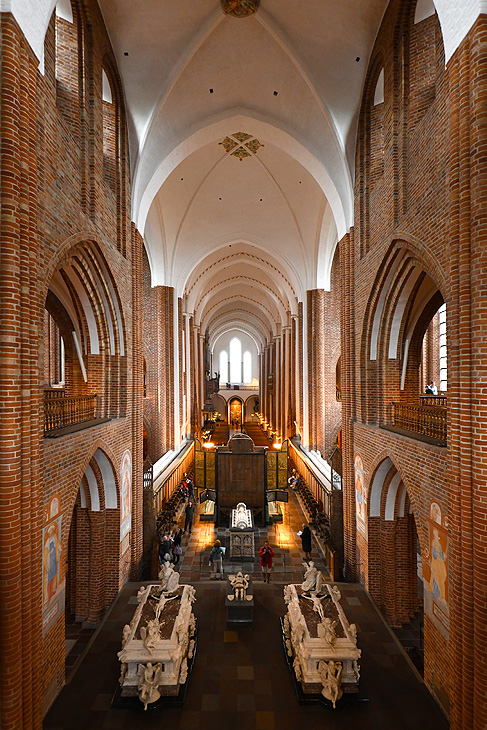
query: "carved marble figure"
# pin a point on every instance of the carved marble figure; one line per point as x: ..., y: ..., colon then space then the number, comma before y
x: 149, y: 681
x: 331, y: 678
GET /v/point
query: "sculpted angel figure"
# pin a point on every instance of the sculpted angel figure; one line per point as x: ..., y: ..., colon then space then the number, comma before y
x: 326, y: 631
x: 150, y: 634
x: 150, y: 677
x: 331, y: 678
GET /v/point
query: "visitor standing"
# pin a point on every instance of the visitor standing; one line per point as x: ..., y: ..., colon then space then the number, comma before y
x: 266, y: 554
x: 216, y: 560
x: 165, y: 546
x: 189, y: 515
x: 306, y: 541
x: 176, y: 546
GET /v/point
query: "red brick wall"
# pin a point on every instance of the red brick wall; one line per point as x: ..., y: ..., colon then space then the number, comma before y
x: 55, y: 214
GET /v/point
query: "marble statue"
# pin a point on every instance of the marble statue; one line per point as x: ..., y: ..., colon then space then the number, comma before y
x: 161, y: 603
x: 331, y: 678
x: 149, y: 681
x: 313, y: 579
x: 335, y: 593
x: 125, y: 634
x: 169, y: 578
x: 352, y: 630
x: 326, y: 631
x: 317, y: 605
x: 150, y: 634
x: 240, y: 584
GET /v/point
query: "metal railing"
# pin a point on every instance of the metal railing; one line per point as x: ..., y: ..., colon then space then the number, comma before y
x: 423, y: 420
x: 172, y: 477
x: 62, y: 412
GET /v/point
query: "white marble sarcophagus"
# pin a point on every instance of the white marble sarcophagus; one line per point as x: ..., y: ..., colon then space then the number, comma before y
x: 242, y: 540
x: 321, y: 645
x: 158, y: 643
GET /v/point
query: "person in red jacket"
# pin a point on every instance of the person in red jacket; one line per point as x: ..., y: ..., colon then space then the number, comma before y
x: 266, y: 554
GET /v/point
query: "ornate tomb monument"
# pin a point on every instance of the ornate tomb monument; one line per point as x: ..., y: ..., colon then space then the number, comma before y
x: 242, y: 542
x: 160, y: 640
x: 320, y: 643
x: 239, y: 598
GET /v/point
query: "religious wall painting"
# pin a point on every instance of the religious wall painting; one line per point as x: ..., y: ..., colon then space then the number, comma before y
x: 360, y: 495
x: 125, y: 494
x: 53, y: 577
x: 435, y: 568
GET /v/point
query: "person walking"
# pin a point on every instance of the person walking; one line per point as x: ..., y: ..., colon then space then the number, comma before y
x: 165, y: 546
x: 216, y: 560
x: 176, y: 546
x: 266, y: 554
x: 306, y: 542
x: 189, y: 515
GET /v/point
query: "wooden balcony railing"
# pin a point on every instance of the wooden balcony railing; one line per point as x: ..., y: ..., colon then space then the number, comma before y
x: 426, y: 421
x: 62, y: 412
x: 433, y: 400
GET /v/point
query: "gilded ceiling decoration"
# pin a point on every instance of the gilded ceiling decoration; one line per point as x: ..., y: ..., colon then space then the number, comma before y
x: 251, y: 147
x: 240, y: 8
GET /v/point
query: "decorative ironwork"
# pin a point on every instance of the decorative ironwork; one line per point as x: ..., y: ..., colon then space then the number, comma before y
x: 422, y: 420
x: 62, y: 412
x: 240, y: 8
x: 433, y: 400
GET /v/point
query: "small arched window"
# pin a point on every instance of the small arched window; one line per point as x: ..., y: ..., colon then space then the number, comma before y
x: 247, y: 367
x: 235, y: 361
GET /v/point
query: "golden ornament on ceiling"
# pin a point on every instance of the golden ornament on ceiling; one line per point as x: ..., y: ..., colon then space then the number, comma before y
x: 253, y: 145
x: 240, y: 8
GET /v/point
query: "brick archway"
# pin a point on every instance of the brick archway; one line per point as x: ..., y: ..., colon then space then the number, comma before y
x: 392, y: 551
x: 94, y: 542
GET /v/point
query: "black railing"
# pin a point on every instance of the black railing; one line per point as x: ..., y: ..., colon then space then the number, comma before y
x: 425, y: 421
x: 62, y: 412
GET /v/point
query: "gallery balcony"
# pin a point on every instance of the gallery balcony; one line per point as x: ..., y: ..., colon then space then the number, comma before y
x: 426, y: 422
x: 63, y: 415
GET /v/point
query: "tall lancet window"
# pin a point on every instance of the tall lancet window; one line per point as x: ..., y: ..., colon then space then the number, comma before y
x: 223, y: 366
x: 235, y: 361
x: 247, y: 367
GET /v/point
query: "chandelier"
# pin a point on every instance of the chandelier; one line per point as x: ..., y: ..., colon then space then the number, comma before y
x: 240, y: 8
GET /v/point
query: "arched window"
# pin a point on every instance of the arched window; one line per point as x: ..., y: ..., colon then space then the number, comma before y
x: 443, y: 350
x: 66, y: 63
x: 235, y: 361
x: 247, y: 367
x: 109, y: 135
x: 223, y: 366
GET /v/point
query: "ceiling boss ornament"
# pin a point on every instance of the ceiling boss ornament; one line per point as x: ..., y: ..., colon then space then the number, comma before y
x: 240, y: 8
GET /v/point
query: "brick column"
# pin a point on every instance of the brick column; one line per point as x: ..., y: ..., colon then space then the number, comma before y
x: 467, y: 375
x: 137, y: 542
x: 20, y: 323
x: 347, y: 259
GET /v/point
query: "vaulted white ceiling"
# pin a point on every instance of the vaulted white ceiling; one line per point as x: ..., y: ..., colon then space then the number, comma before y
x: 242, y: 240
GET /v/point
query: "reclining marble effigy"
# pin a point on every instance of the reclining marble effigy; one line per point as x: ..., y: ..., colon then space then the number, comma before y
x: 159, y: 640
x: 320, y: 642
